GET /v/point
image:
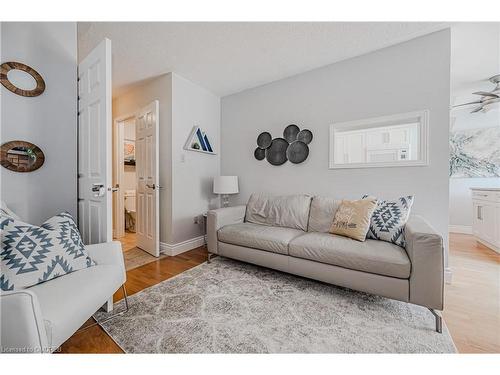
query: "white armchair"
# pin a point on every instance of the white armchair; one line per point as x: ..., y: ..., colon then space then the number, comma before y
x: 42, y: 317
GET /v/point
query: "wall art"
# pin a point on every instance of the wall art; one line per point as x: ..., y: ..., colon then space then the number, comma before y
x: 293, y: 146
x: 199, y: 141
x: 6, y: 67
x: 21, y: 156
x: 475, y: 153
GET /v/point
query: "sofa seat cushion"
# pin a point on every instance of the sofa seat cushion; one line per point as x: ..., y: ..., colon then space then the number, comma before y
x: 371, y: 256
x: 67, y: 302
x: 263, y: 237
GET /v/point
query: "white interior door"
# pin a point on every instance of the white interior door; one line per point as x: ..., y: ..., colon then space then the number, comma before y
x: 94, y: 145
x: 147, y: 175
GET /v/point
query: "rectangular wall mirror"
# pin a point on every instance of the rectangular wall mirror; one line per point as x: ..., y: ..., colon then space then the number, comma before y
x: 389, y: 141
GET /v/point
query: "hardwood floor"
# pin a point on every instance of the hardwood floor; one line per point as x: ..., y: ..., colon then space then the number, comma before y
x: 472, y: 300
x: 472, y: 311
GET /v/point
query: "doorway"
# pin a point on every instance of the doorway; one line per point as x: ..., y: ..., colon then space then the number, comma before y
x: 136, y: 177
x: 124, y: 176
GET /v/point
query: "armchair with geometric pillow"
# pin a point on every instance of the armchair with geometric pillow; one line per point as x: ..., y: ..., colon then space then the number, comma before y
x: 50, y: 282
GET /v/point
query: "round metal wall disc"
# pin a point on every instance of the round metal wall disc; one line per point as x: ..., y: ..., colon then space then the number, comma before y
x: 276, y: 153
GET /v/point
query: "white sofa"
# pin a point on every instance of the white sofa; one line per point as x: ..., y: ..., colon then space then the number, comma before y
x: 42, y: 317
x: 290, y: 234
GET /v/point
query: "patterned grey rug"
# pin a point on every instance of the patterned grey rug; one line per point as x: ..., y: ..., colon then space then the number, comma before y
x: 233, y: 307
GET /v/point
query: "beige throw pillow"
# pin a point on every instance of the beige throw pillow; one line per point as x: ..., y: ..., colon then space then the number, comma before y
x: 352, y: 219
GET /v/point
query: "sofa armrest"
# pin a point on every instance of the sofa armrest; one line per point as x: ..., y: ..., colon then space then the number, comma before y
x: 424, y: 247
x: 23, y: 328
x: 109, y: 253
x: 216, y: 219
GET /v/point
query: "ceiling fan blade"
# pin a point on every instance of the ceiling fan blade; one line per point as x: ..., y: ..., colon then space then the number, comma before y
x: 485, y: 93
x: 477, y: 109
x: 461, y: 105
x: 488, y: 106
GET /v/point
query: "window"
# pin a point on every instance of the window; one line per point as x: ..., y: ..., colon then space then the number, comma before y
x: 390, y: 141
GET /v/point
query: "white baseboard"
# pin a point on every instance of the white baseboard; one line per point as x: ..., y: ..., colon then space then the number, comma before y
x: 181, y: 247
x: 465, y: 229
x: 447, y: 275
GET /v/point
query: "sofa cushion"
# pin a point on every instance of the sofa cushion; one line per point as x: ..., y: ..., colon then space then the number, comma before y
x: 371, y: 256
x: 67, y: 302
x: 322, y: 212
x: 290, y: 211
x: 33, y: 254
x: 352, y: 219
x: 274, y: 239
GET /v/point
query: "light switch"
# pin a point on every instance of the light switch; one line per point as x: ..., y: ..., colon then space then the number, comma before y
x: 183, y: 158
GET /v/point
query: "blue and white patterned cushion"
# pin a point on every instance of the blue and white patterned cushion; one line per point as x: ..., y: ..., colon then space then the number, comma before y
x: 33, y: 254
x: 389, y: 219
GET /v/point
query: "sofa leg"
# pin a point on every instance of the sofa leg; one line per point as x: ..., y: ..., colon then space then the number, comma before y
x: 209, y: 260
x: 439, y: 320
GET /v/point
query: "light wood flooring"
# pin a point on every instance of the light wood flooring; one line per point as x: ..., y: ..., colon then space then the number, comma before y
x: 132, y: 255
x: 472, y: 311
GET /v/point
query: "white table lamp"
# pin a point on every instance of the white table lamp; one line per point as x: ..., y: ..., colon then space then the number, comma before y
x: 226, y: 185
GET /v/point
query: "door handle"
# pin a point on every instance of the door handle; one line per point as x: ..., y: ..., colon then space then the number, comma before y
x: 151, y: 186
x: 114, y: 189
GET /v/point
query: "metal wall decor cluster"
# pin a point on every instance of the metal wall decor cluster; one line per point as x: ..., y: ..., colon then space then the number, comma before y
x: 293, y: 146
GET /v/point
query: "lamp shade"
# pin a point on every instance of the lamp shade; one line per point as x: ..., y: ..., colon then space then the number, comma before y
x: 226, y: 185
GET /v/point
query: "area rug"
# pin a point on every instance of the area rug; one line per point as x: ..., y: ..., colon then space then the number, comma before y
x: 232, y: 307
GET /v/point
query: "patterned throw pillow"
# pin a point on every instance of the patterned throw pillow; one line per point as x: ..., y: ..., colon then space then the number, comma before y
x: 6, y: 211
x: 389, y: 219
x: 352, y: 218
x: 33, y: 254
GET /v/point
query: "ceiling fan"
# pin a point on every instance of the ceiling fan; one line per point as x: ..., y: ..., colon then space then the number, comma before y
x: 487, y: 97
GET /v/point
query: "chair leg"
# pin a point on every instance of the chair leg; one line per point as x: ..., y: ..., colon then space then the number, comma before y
x: 125, y: 297
x: 106, y: 305
x: 439, y: 320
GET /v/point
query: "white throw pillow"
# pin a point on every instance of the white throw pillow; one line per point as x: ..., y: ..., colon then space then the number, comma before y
x: 389, y: 219
x: 33, y: 254
x: 6, y: 211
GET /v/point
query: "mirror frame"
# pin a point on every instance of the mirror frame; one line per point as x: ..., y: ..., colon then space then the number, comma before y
x: 422, y: 117
x: 6, y: 67
x: 7, y: 146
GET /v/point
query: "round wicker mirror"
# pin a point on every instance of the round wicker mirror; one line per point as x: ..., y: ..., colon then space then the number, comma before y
x: 5, y: 68
x: 21, y: 156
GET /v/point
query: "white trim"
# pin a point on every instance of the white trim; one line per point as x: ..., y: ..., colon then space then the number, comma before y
x: 488, y: 244
x: 421, y: 116
x: 465, y: 229
x: 181, y: 247
x: 448, y: 275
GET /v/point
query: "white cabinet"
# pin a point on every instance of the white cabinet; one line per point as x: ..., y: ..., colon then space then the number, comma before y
x: 486, y: 216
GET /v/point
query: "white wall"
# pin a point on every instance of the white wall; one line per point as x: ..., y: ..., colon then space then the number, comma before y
x: 192, y: 172
x: 185, y: 175
x: 410, y: 76
x: 49, y: 120
x: 137, y: 98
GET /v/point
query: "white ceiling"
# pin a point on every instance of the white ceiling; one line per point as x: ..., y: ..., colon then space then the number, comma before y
x: 230, y: 57
x: 475, y: 57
